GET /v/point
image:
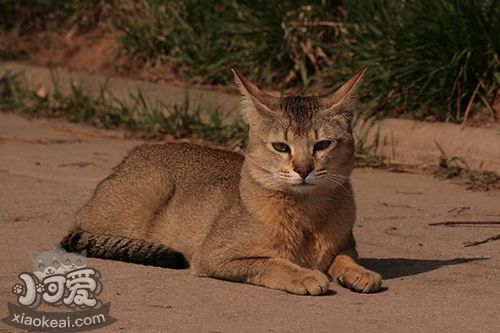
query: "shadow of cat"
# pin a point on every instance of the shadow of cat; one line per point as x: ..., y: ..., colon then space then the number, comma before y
x: 391, y: 268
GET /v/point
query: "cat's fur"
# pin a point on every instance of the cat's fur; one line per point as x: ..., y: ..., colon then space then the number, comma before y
x: 241, y: 217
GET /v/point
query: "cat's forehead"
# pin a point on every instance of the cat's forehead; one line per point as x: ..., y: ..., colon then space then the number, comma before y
x: 299, y: 112
x: 302, y: 118
x: 299, y: 108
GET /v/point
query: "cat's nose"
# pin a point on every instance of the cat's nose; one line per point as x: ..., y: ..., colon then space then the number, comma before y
x: 303, y: 171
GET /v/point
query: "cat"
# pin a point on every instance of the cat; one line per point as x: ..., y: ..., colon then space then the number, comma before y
x: 46, y: 263
x: 278, y: 215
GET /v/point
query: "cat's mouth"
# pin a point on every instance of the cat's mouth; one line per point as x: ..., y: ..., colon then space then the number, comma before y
x: 303, y: 183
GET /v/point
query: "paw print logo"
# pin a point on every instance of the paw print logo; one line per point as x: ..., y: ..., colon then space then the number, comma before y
x: 40, y: 288
x: 17, y: 289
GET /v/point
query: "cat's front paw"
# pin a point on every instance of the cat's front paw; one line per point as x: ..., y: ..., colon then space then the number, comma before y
x: 307, y: 282
x: 360, y: 279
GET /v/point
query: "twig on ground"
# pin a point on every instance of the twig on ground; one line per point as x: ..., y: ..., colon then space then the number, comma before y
x: 463, y: 223
x: 490, y: 239
x: 410, y: 193
x: 398, y: 206
x: 458, y: 210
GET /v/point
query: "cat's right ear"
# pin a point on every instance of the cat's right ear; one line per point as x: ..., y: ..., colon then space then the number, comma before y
x: 33, y: 255
x: 255, y: 101
x: 344, y: 100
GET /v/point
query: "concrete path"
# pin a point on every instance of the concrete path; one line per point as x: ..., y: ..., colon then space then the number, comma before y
x: 434, y: 284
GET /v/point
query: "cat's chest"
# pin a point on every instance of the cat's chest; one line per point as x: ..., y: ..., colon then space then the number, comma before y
x: 302, y: 244
x: 301, y: 235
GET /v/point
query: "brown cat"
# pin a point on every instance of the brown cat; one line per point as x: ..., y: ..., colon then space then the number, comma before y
x: 280, y: 215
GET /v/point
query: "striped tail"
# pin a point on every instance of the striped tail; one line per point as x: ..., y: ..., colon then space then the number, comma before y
x: 123, y: 249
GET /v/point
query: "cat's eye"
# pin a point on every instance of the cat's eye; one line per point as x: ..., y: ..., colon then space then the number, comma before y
x: 79, y: 262
x: 41, y: 266
x: 322, y: 145
x: 67, y: 261
x: 281, y: 147
x: 55, y: 263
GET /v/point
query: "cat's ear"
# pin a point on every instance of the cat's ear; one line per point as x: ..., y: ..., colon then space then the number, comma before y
x: 344, y: 99
x: 33, y: 255
x: 58, y: 249
x: 84, y: 253
x: 255, y: 101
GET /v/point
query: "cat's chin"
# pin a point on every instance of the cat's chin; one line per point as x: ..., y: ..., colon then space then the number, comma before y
x: 302, y: 187
x: 299, y: 188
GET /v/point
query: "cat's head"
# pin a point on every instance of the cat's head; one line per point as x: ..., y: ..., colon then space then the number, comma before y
x: 298, y: 144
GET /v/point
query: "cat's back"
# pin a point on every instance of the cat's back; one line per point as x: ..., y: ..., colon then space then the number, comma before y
x: 188, y: 163
x: 192, y: 184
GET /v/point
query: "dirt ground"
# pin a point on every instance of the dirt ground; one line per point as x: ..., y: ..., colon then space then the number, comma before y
x: 434, y: 284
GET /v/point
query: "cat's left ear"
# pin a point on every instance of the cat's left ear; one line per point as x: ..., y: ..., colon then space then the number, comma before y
x: 345, y: 99
x: 256, y: 103
x: 84, y: 253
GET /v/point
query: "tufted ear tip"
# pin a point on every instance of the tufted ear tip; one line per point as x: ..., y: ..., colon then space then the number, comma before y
x: 346, y: 95
x: 247, y: 87
x: 362, y: 73
x: 253, y: 98
x: 236, y: 74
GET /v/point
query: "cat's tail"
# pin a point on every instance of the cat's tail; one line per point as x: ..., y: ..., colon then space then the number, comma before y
x: 124, y: 249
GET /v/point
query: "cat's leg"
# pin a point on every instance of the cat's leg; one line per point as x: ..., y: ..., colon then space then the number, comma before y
x: 274, y: 273
x: 352, y: 275
x: 126, y: 203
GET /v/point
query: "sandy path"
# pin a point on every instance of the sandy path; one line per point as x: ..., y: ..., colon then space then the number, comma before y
x: 434, y: 283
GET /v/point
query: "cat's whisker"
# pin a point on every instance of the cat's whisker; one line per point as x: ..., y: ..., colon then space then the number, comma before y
x: 340, y: 185
x: 339, y: 176
x: 337, y: 179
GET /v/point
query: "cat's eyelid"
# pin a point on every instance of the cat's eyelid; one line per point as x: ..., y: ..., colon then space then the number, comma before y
x: 281, y: 147
x: 334, y: 141
x: 327, y: 138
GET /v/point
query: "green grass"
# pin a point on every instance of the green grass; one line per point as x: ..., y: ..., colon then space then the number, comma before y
x: 145, y: 118
x: 443, y: 66
x: 456, y: 167
x: 26, y: 16
x: 273, y: 40
x: 435, y: 60
x: 428, y: 58
x: 367, y: 143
